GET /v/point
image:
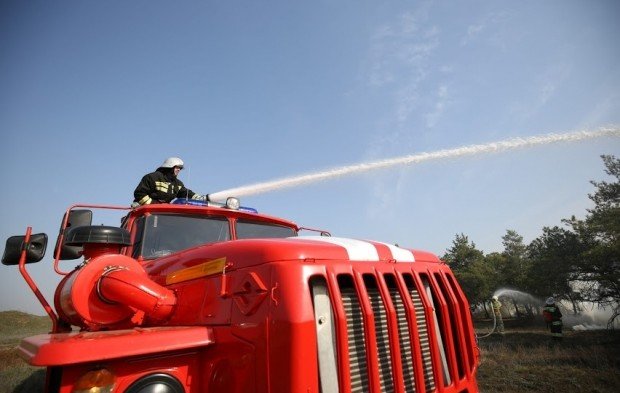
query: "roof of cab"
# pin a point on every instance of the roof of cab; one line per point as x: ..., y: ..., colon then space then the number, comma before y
x: 211, y: 211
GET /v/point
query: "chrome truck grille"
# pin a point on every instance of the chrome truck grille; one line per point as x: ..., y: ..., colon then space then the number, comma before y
x: 394, y: 332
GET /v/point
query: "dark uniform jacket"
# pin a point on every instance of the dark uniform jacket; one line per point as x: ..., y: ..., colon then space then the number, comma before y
x: 160, y: 186
x: 553, y: 317
x: 552, y: 313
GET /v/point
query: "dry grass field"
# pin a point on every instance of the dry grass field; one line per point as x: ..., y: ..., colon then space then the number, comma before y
x: 527, y: 360
x: 14, y: 372
x: 523, y: 360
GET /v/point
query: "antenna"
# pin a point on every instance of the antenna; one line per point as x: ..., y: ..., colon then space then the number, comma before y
x: 189, y: 178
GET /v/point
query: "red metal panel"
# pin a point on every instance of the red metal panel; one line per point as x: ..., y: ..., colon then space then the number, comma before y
x: 445, y: 328
x: 292, y: 346
x: 69, y: 348
x: 461, y: 354
x: 466, y: 327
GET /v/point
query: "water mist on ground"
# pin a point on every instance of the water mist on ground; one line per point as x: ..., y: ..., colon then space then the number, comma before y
x: 590, y: 316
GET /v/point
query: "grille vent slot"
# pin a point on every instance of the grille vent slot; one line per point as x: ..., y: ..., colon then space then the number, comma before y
x: 355, y: 335
x: 425, y: 345
x: 404, y: 339
x: 382, y: 333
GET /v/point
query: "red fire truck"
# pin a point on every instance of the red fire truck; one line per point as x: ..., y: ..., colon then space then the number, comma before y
x: 202, y: 297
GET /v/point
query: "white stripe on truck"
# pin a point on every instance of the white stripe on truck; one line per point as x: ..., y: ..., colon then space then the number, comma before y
x: 400, y: 254
x: 359, y: 250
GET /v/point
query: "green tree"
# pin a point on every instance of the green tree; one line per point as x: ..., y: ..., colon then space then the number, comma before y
x: 599, y: 266
x: 470, y: 269
x: 511, y: 266
x: 496, y: 261
x: 515, y: 265
x: 477, y: 281
x: 554, y: 257
x: 462, y: 253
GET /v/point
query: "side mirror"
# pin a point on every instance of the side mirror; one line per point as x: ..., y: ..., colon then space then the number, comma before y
x: 35, y: 249
x: 77, y: 218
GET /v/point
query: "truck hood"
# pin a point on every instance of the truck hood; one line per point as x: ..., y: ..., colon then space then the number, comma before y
x: 252, y: 252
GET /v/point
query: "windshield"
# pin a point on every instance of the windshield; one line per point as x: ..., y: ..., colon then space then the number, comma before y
x: 163, y: 234
x: 259, y: 230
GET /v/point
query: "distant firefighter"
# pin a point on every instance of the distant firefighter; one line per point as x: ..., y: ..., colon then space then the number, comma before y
x: 553, y: 317
x: 499, y: 322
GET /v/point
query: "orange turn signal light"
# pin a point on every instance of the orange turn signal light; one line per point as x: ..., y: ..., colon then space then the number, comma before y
x: 215, y: 266
x: 95, y: 381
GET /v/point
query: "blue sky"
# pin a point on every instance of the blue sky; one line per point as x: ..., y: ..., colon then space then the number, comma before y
x: 95, y: 94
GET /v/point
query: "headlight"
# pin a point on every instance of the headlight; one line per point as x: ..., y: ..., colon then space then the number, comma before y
x: 96, y: 381
x: 232, y: 203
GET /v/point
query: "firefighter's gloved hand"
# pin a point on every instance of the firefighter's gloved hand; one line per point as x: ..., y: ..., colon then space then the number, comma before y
x: 203, y: 198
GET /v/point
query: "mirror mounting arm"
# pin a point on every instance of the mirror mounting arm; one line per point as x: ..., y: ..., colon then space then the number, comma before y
x: 61, y: 237
x: 33, y: 286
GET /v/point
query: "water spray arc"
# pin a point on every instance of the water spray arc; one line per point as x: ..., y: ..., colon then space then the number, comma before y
x: 494, y: 147
x: 509, y: 293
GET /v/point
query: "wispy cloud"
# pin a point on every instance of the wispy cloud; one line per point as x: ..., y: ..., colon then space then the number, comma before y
x: 605, y: 108
x: 399, y: 59
x: 401, y: 67
x: 472, y: 32
x: 396, y: 48
x: 486, y: 29
x: 442, y: 100
x: 544, y: 89
x: 553, y: 78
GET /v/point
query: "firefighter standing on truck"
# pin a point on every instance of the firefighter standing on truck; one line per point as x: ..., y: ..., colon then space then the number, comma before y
x: 499, y: 322
x: 163, y: 185
x: 553, y: 317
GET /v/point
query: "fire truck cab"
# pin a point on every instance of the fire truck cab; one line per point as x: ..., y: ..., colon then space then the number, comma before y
x: 194, y: 297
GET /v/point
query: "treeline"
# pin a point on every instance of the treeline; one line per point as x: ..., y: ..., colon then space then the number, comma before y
x: 577, y: 262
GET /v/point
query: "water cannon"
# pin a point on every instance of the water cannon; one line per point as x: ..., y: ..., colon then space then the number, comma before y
x: 109, y: 290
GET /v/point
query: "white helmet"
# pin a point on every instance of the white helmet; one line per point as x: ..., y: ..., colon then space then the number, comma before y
x: 494, y: 298
x: 171, y: 162
x: 550, y: 300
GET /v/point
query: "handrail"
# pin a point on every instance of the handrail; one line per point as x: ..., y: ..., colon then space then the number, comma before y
x: 320, y: 231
